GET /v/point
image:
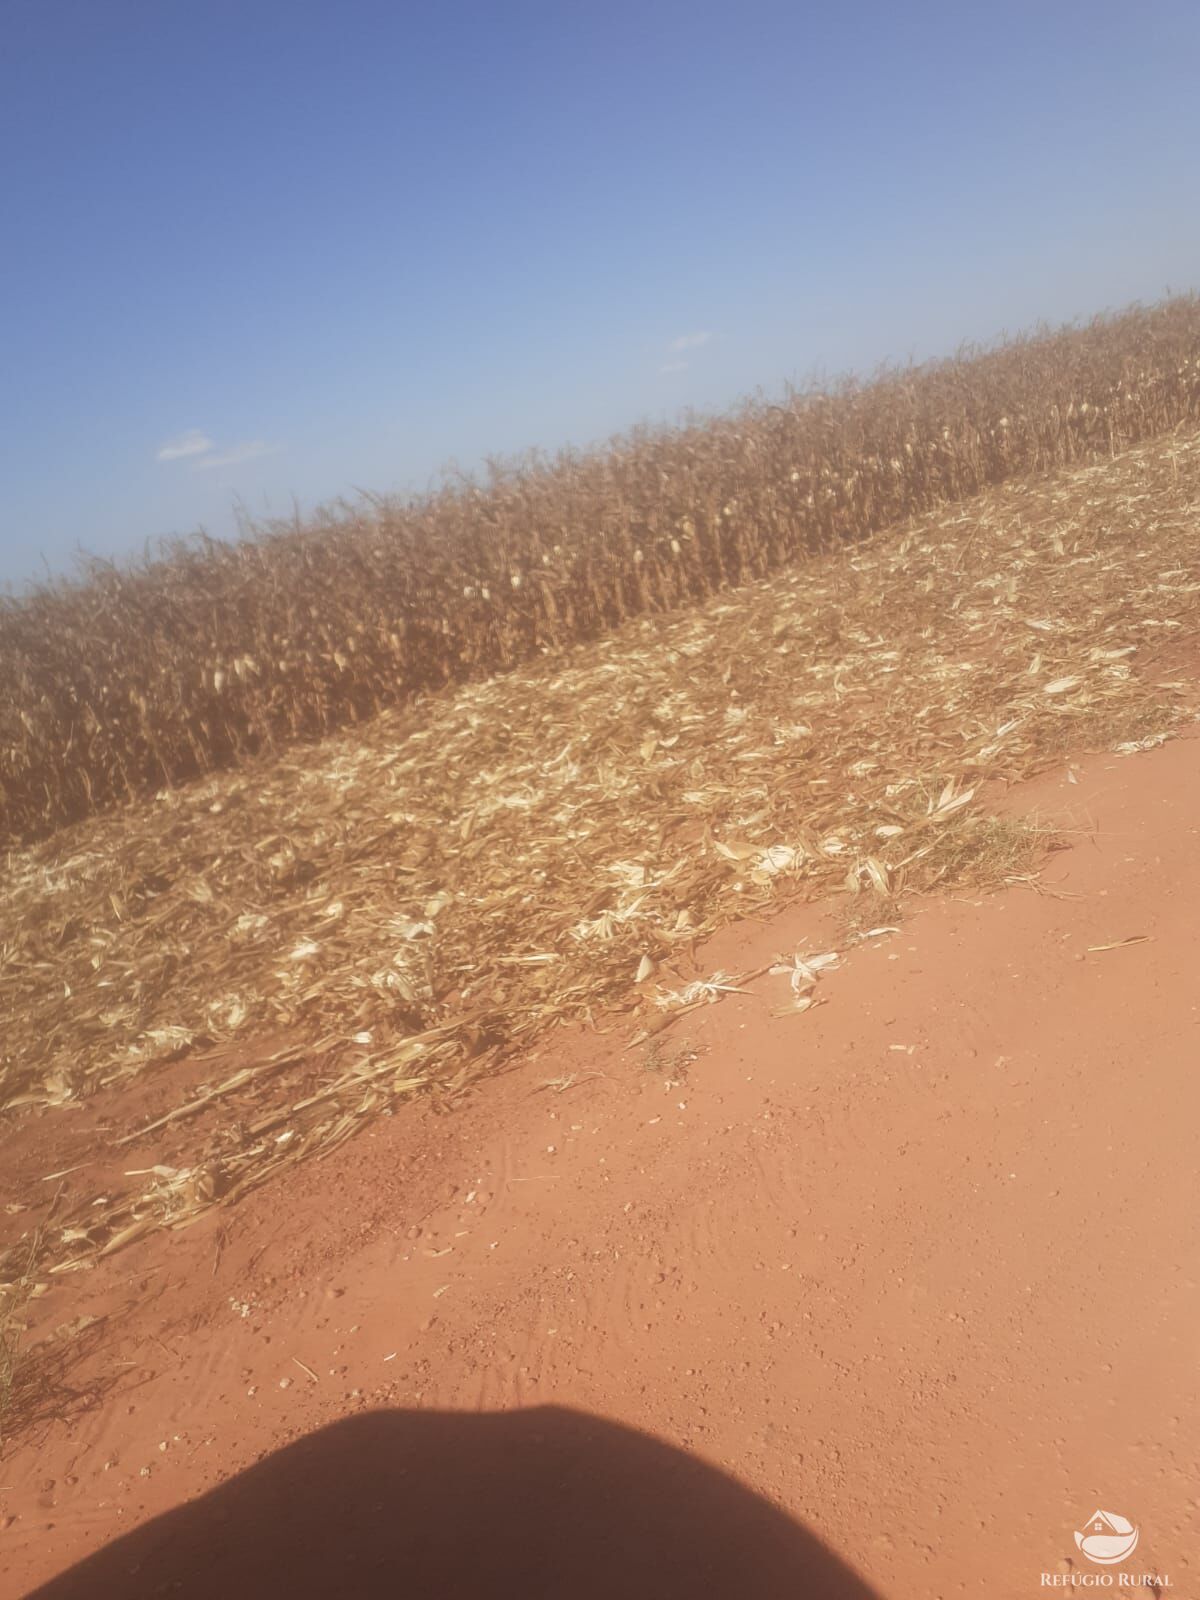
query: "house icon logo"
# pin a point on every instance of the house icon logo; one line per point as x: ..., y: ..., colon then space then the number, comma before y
x: 1107, y: 1538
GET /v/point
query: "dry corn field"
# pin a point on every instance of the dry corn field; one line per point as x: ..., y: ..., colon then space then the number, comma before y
x: 259, y: 961
x: 134, y: 679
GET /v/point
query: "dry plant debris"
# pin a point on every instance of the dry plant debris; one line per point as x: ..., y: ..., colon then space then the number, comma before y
x: 414, y: 901
x: 14, y: 1296
x: 803, y: 974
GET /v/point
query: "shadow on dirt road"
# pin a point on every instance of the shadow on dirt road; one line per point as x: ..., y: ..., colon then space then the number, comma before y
x: 546, y: 1504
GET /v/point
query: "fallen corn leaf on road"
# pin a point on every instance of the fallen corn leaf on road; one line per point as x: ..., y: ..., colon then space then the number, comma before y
x: 919, y: 1265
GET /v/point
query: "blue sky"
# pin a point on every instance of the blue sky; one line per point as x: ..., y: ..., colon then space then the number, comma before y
x: 273, y: 248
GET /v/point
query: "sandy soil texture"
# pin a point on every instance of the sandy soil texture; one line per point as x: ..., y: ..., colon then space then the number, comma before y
x: 887, y: 1297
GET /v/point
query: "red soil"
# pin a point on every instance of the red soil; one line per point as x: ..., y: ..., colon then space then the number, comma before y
x: 920, y: 1267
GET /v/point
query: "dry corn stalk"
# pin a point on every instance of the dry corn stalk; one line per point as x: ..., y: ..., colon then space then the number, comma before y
x: 136, y: 679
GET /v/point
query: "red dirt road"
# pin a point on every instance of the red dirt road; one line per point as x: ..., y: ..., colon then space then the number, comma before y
x: 920, y: 1266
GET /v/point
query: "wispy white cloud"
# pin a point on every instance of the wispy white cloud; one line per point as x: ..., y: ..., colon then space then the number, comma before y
x: 689, y: 341
x: 238, y: 453
x: 673, y: 366
x: 191, y: 443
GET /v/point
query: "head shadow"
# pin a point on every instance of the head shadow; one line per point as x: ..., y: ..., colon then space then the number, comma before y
x: 545, y: 1504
